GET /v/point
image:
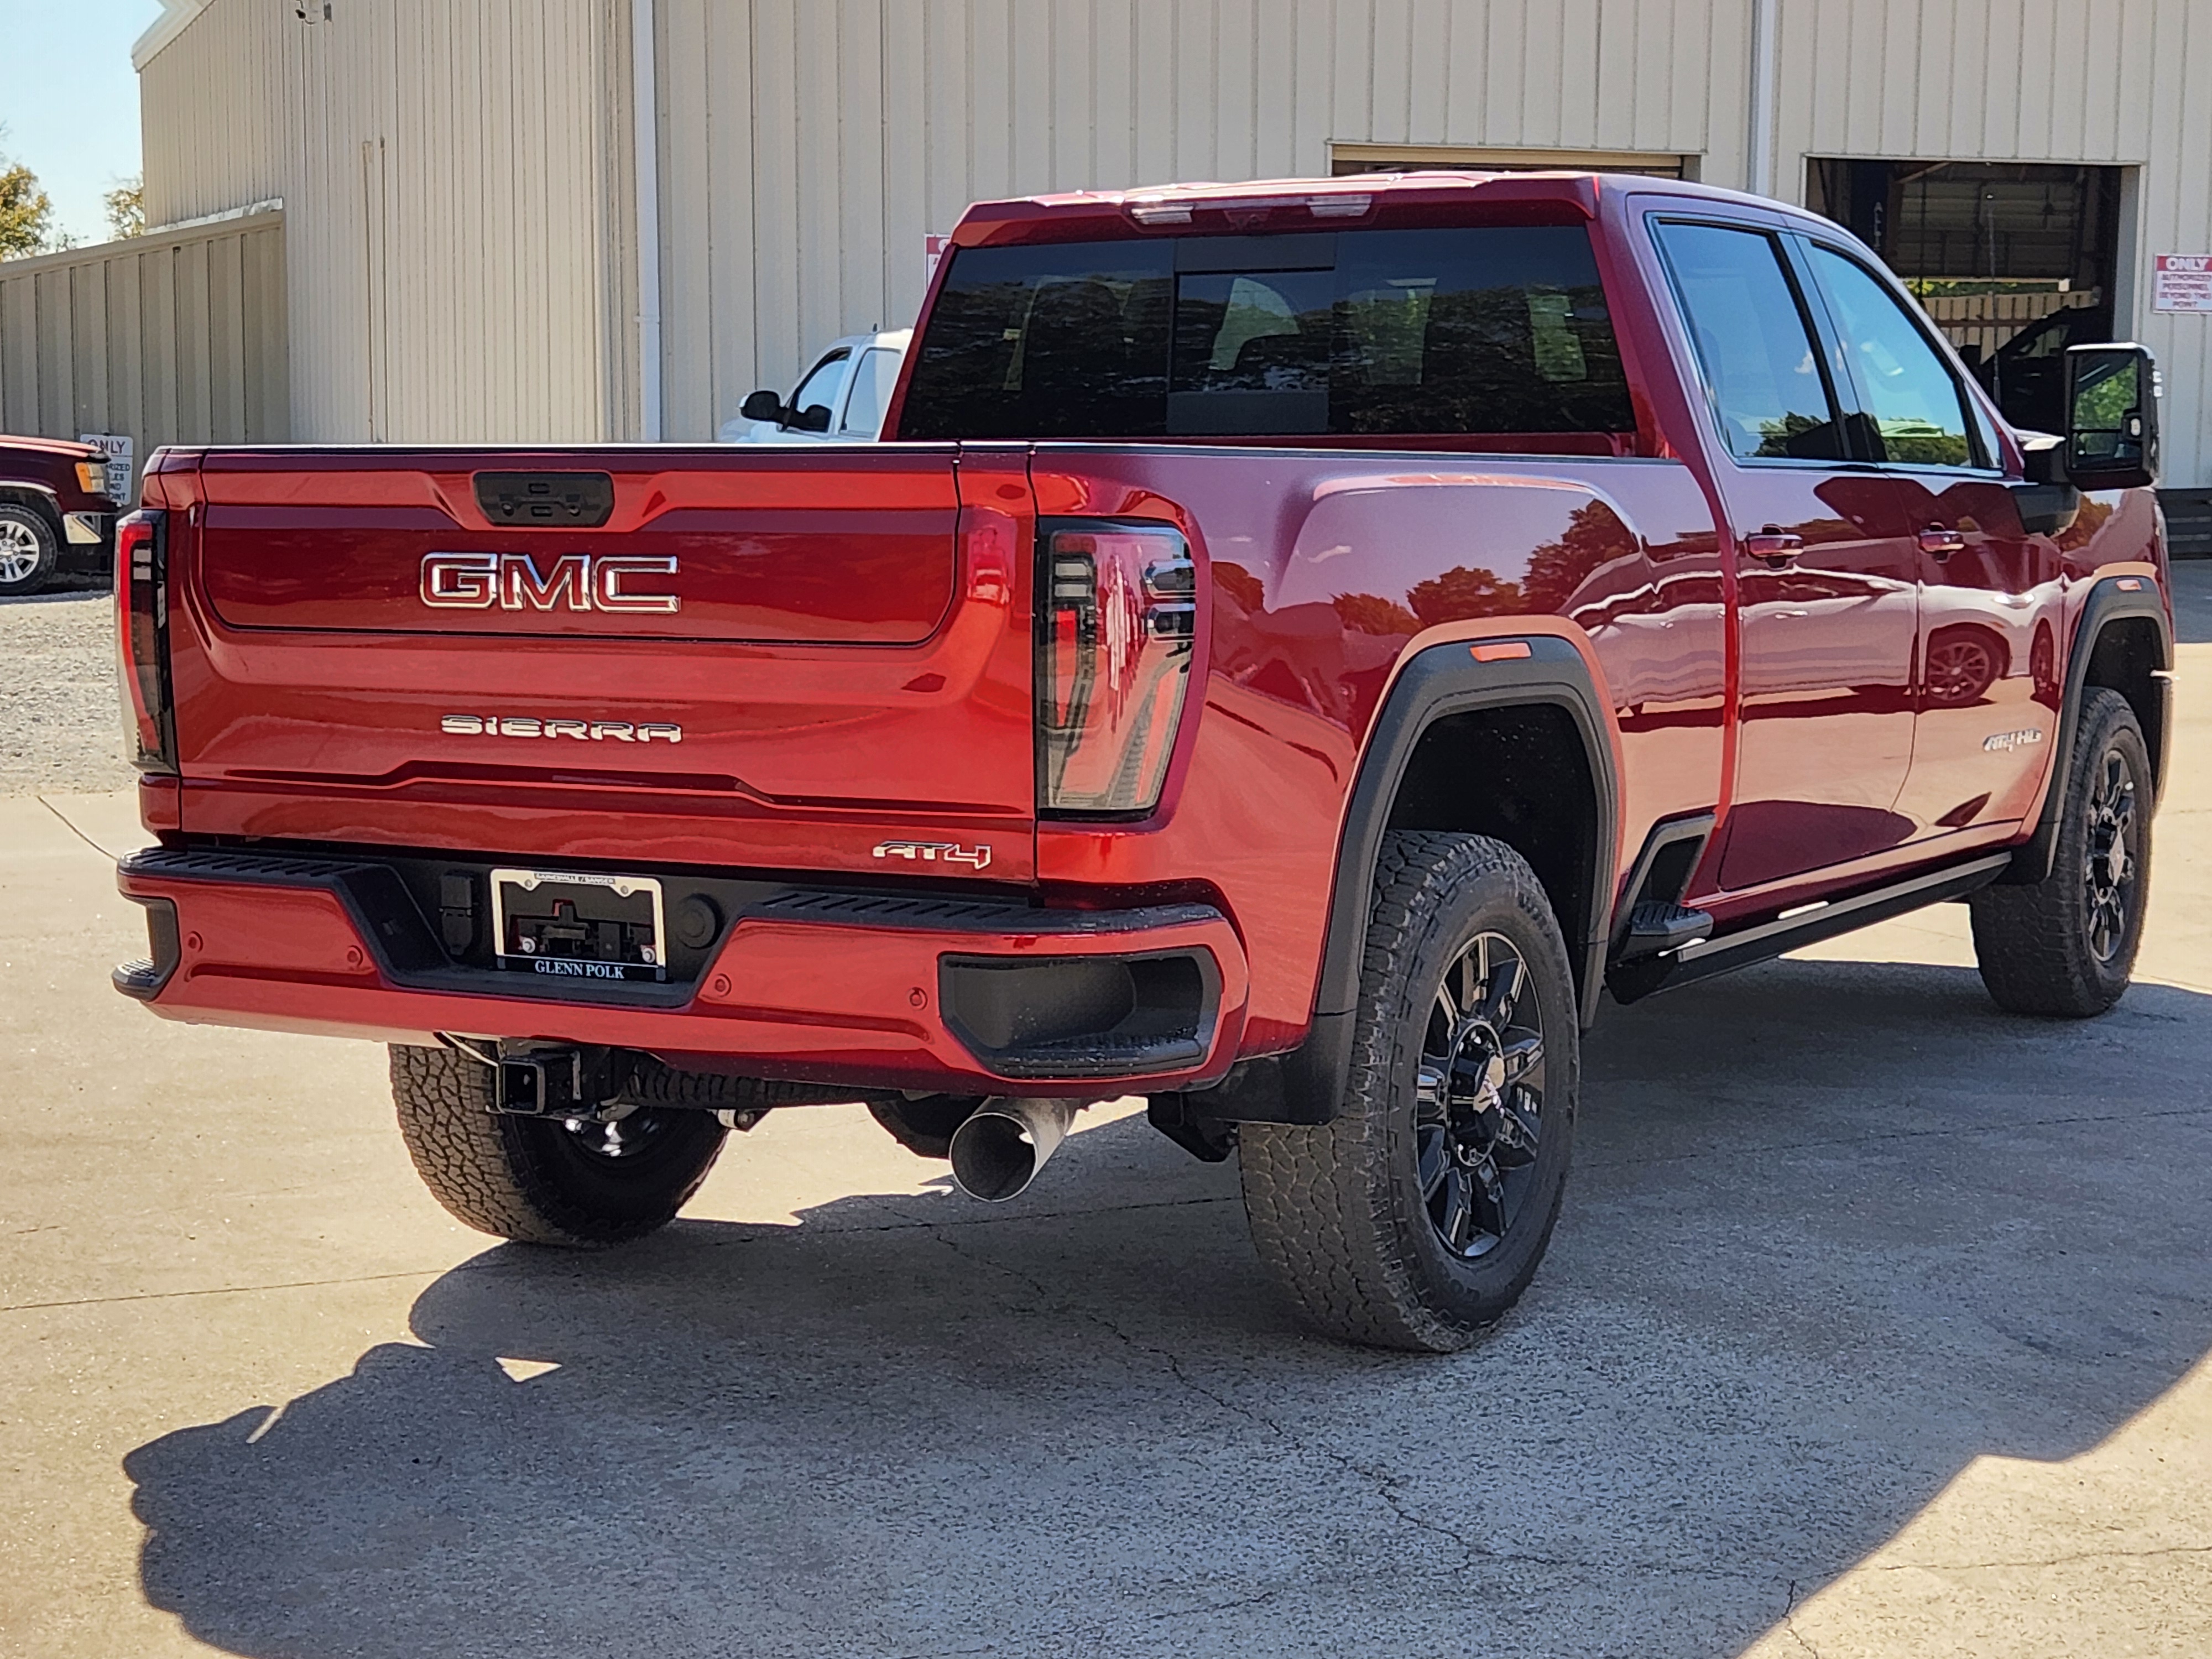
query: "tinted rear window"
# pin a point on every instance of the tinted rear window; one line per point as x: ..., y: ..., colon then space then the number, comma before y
x: 1495, y: 330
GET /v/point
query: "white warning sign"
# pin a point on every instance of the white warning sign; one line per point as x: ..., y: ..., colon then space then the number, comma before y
x: 2185, y: 283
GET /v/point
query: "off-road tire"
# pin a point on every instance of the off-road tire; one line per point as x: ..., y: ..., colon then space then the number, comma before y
x: 1337, y: 1213
x: 532, y: 1179
x: 2036, y: 945
x: 27, y: 532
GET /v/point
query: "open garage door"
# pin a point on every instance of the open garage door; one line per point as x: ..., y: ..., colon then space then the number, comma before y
x: 2015, y: 261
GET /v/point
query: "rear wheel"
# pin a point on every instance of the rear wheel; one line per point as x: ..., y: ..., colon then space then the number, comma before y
x: 2066, y: 946
x: 580, y: 1183
x: 1418, y: 1217
x: 28, y: 549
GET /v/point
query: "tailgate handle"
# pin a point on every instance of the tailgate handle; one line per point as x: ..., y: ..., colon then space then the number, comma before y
x: 574, y: 501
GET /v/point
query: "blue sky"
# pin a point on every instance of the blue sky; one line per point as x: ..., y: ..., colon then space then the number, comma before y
x: 69, y: 100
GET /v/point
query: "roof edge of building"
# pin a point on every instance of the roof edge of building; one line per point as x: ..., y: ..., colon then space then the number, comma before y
x: 175, y: 15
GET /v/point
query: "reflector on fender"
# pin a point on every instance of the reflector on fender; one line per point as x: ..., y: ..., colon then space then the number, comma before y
x: 1119, y: 623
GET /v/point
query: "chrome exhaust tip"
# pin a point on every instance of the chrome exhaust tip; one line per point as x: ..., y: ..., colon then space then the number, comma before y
x: 998, y: 1148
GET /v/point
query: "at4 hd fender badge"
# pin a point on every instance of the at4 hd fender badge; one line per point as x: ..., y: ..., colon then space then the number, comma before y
x: 934, y: 852
x: 525, y: 726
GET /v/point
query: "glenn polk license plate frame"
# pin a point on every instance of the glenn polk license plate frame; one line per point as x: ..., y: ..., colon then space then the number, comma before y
x: 578, y: 968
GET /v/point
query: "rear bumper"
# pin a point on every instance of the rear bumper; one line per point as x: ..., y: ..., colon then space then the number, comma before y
x: 872, y: 990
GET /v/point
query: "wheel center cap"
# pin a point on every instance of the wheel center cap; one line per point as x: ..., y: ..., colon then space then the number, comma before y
x: 1478, y: 1093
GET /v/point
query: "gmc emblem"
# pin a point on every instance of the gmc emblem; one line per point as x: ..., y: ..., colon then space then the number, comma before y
x: 577, y: 581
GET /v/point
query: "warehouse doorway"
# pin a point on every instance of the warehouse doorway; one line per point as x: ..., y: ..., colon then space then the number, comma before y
x: 2015, y: 261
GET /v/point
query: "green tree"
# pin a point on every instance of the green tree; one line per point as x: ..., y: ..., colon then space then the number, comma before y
x: 126, y: 209
x: 27, y: 213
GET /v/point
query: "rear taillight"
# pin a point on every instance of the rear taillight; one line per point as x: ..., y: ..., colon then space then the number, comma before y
x: 1120, y: 620
x: 142, y: 606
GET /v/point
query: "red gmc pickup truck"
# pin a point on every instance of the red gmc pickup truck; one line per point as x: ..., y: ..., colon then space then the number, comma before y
x: 1297, y: 647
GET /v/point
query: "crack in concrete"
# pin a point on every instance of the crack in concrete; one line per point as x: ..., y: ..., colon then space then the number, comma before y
x: 1383, y: 1484
x: 228, y: 1289
x: 2010, y: 1126
x: 1790, y: 1622
x: 2048, y: 1561
x: 74, y: 830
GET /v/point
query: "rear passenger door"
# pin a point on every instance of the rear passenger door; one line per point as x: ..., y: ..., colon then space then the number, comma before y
x: 1986, y: 690
x: 1826, y: 589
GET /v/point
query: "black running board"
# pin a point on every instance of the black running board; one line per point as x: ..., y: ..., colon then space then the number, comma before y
x: 1725, y: 952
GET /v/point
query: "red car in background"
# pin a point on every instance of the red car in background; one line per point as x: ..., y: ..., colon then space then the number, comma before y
x: 55, y: 512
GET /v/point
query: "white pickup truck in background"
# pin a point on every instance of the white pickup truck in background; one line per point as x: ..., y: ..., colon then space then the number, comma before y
x: 841, y: 399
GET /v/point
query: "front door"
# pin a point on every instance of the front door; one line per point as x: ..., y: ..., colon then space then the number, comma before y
x: 1987, y: 693
x: 1826, y: 589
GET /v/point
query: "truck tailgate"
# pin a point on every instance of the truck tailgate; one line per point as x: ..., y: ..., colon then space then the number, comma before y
x: 772, y: 660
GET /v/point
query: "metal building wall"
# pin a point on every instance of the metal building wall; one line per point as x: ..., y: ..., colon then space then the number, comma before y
x: 468, y: 276
x: 2118, y: 83
x: 213, y: 114
x: 809, y: 145
x: 456, y: 180
x: 175, y: 337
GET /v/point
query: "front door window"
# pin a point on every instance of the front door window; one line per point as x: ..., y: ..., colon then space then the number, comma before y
x: 1913, y: 401
x: 1986, y: 689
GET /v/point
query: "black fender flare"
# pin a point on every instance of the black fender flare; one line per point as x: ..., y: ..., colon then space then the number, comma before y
x: 2112, y: 599
x: 1306, y: 1085
x: 21, y: 492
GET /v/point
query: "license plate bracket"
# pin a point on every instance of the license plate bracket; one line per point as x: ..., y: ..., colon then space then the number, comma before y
x: 565, y: 924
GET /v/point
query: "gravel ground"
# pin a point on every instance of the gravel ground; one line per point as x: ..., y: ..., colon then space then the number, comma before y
x: 60, y: 728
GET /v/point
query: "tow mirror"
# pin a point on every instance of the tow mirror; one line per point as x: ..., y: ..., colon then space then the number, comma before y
x: 815, y: 417
x: 2112, y: 394
x: 762, y: 405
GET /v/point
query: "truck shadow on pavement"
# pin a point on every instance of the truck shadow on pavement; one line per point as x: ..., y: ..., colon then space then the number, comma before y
x: 1838, y: 1228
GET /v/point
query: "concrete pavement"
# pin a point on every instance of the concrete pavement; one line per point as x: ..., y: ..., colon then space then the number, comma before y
x: 1877, y: 1325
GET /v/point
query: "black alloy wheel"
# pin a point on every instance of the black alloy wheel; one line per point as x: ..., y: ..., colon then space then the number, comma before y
x: 1479, y: 1098
x: 2108, y: 868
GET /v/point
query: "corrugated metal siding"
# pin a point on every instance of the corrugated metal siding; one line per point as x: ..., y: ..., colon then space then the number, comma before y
x: 212, y: 112
x: 467, y: 274
x: 456, y: 177
x: 2124, y: 83
x: 810, y: 145
x: 176, y: 338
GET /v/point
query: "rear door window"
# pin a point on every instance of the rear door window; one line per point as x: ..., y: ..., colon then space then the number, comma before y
x: 1495, y: 330
x: 1769, y: 390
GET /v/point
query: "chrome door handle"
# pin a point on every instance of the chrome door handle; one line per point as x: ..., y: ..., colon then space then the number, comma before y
x: 1777, y: 547
x: 1938, y: 544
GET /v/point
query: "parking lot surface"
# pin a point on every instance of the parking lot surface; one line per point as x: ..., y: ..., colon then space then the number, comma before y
x: 1877, y: 1324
